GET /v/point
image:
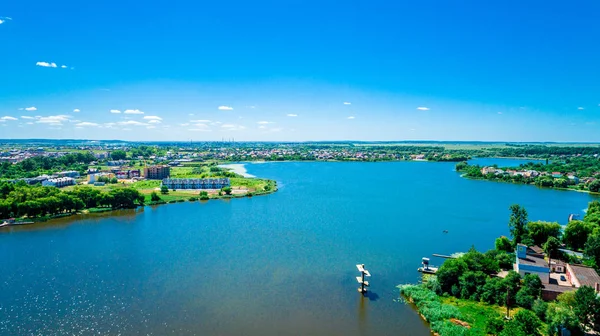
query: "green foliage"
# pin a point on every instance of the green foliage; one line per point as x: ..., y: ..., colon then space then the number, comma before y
x: 24, y: 200
x: 559, y: 315
x: 118, y: 155
x: 587, y: 308
x: 504, y: 244
x: 525, y: 322
x: 227, y: 190
x: 540, y: 231
x: 434, y: 311
x: 494, y: 326
x: 518, y: 223
x: 164, y: 189
x: 530, y: 291
x: 576, y: 233
x: 39, y: 165
x: 592, y: 247
x: 193, y: 199
x: 594, y: 186
x: 204, y: 195
x: 449, y: 273
x: 154, y: 197
x: 539, y: 307
x: 551, y: 247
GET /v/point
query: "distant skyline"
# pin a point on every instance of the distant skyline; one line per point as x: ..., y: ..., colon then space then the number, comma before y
x: 300, y: 71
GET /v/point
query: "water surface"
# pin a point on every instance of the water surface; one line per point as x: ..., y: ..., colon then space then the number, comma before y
x: 282, y: 264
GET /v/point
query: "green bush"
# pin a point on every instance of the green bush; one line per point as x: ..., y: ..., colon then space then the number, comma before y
x: 193, y: 199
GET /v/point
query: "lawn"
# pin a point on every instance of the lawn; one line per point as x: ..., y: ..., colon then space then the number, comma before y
x: 476, y: 313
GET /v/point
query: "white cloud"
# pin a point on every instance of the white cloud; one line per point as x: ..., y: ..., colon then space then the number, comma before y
x: 202, y: 128
x: 152, y: 118
x: 85, y: 124
x: 2, y: 21
x: 76, y: 110
x: 580, y: 108
x: 265, y: 122
x: 29, y: 123
x: 63, y: 66
x: 8, y: 118
x: 262, y: 127
x: 190, y: 114
x: 131, y: 123
x: 252, y: 107
x: 423, y: 108
x: 55, y: 120
x: 27, y: 117
x: 125, y: 129
x: 115, y: 111
x: 136, y: 111
x: 46, y: 64
x: 225, y: 108
x: 347, y: 103
x: 351, y: 117
x: 292, y: 115
x: 32, y: 108
x: 150, y: 127
x: 233, y: 127
x: 153, y: 121
x: 412, y: 129
x: 499, y: 112
x: 200, y: 121
x: 184, y: 124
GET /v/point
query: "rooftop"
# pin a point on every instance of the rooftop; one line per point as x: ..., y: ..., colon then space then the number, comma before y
x: 587, y: 276
x: 533, y: 261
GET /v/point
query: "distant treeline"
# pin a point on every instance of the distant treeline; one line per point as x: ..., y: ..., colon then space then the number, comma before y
x: 39, y: 165
x: 20, y: 199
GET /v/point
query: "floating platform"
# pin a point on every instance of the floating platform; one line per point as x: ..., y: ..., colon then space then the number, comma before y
x: 428, y: 270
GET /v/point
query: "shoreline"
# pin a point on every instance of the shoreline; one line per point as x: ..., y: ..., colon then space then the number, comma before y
x: 92, y: 211
x: 529, y: 184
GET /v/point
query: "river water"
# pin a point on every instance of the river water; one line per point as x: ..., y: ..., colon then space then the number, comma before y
x: 282, y: 264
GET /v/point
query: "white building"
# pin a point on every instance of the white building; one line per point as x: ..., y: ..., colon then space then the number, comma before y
x: 59, y: 182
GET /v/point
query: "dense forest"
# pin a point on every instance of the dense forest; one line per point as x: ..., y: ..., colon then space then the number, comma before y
x: 19, y: 199
x: 40, y: 165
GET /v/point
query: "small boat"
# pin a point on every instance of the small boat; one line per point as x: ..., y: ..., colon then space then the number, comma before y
x: 445, y: 231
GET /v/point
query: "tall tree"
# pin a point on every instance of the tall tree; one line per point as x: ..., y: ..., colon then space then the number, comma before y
x: 517, y: 223
x: 576, y: 234
x: 587, y: 307
x: 592, y: 247
x: 551, y: 247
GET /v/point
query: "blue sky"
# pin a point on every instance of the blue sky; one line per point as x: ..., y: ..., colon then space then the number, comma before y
x: 300, y: 70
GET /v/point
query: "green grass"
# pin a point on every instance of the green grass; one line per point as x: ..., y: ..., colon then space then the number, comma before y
x: 476, y: 313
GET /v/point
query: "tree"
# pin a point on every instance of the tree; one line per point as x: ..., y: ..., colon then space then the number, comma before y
x: 164, y: 189
x: 594, y: 186
x: 540, y: 231
x: 227, y: 190
x: 592, y: 247
x: 154, y: 197
x: 204, y: 195
x: 504, y: 244
x: 551, y: 247
x: 449, y: 273
x: 587, y: 307
x: 576, y: 233
x: 560, y: 315
x: 531, y: 290
x: 118, y: 155
x: 471, y: 283
x: 527, y: 322
x: 517, y: 223
x: 539, y: 307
